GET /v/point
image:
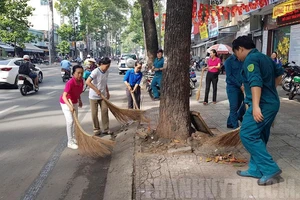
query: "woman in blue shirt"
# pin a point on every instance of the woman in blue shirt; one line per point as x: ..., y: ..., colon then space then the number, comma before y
x: 275, y: 59
x: 132, y: 80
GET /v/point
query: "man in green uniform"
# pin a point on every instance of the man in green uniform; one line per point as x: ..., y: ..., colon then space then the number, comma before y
x: 260, y: 77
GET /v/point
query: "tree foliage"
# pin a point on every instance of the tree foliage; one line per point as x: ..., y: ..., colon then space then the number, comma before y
x: 14, y: 22
x: 65, y: 32
x: 63, y: 47
x: 67, y: 8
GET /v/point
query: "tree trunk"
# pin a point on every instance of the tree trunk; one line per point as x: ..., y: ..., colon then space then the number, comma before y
x: 150, y: 29
x: 51, y: 34
x: 174, y: 115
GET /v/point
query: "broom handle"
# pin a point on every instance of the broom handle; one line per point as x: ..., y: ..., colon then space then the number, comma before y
x: 134, y: 100
x: 200, y: 84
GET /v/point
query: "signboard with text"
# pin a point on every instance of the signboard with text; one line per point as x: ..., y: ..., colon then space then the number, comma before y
x: 285, y: 8
x: 203, y: 31
x: 290, y: 18
x: 213, y: 28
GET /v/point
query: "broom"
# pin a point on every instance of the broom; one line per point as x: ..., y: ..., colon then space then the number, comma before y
x: 200, y: 85
x: 135, y: 106
x: 90, y: 145
x: 230, y: 139
x: 125, y: 116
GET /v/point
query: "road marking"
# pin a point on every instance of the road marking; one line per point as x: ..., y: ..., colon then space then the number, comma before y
x: 8, y: 109
x: 38, y: 183
x: 51, y: 92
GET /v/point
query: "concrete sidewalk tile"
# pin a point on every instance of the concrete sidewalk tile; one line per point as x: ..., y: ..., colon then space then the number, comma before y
x: 121, y: 167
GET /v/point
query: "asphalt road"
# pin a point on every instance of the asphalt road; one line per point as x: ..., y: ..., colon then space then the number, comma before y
x: 34, y: 160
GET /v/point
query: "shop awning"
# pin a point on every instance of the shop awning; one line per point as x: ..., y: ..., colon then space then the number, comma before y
x: 31, y: 48
x: 6, y: 47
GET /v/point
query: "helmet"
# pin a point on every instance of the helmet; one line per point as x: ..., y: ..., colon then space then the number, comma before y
x: 88, y: 56
x: 92, y: 60
x: 26, y: 57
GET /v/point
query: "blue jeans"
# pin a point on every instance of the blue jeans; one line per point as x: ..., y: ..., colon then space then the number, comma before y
x: 236, y: 106
x: 156, y: 82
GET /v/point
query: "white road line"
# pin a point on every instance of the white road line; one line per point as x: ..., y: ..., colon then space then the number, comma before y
x: 51, y: 92
x: 8, y: 109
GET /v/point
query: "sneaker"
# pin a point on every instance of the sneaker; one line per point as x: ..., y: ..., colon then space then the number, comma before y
x: 107, y: 132
x: 72, y: 145
x: 74, y: 140
x: 97, y: 132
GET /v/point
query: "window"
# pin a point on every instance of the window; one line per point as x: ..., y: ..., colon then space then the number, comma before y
x: 18, y: 62
x: 4, y: 62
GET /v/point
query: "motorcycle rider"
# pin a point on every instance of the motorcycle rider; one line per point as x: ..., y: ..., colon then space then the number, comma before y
x: 27, y: 68
x: 158, y: 68
x: 86, y: 62
x: 66, y: 65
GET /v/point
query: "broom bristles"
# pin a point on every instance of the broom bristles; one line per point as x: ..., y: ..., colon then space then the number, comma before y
x: 92, y: 146
x: 230, y: 139
x: 126, y: 115
x: 200, y: 86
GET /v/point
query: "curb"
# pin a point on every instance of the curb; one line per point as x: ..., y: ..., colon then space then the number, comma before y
x: 119, y: 183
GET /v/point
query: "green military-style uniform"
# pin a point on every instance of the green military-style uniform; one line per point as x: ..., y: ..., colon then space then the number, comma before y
x: 260, y: 71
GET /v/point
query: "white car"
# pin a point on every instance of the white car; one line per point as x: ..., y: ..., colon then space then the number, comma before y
x: 9, y: 70
x: 127, y: 62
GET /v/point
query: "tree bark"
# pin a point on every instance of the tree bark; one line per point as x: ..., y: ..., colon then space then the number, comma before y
x: 174, y: 114
x: 51, y: 34
x: 149, y: 29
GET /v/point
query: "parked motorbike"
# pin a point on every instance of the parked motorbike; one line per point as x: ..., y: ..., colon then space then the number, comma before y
x: 26, y: 84
x: 193, y: 78
x: 289, y: 73
x: 65, y: 74
x: 295, y: 84
x: 149, y: 77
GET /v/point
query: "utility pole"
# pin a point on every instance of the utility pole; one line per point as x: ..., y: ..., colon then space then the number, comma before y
x: 51, y: 34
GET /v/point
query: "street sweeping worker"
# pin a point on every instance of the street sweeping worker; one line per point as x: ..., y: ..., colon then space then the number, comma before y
x: 260, y: 77
x: 235, y: 91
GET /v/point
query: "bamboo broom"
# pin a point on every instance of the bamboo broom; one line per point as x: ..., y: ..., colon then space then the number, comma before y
x: 125, y: 116
x: 229, y: 139
x: 134, y: 101
x: 200, y: 86
x: 91, y: 145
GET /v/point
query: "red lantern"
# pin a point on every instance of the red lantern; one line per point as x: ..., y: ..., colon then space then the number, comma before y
x: 201, y: 6
x: 206, y: 7
x: 247, y: 8
x: 226, y: 15
x: 219, y: 17
x: 228, y: 9
x: 240, y: 10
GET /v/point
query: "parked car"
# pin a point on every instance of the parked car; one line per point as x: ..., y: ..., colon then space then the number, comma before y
x: 9, y: 70
x: 126, y: 62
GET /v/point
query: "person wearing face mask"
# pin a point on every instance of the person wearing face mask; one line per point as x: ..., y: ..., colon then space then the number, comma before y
x: 260, y: 76
x: 97, y: 81
x: 212, y: 76
x: 72, y: 91
x: 275, y: 59
x: 132, y: 80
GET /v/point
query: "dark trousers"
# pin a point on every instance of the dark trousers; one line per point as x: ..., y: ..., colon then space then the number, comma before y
x: 137, y: 95
x: 211, y: 78
x: 236, y: 106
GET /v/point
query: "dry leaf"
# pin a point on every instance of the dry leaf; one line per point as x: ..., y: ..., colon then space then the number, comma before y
x: 208, y: 159
x: 200, y: 158
x: 176, y: 141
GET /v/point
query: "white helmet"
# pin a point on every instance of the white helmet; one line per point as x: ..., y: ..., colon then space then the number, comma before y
x: 26, y: 57
x: 88, y: 56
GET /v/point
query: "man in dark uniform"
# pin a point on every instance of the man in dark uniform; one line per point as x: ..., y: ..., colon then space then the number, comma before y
x: 234, y: 91
x: 260, y: 77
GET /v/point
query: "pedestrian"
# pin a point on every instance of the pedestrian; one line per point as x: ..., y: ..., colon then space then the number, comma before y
x: 275, y: 59
x: 86, y: 61
x: 97, y: 81
x: 72, y: 91
x: 260, y: 77
x: 92, y: 64
x: 132, y: 80
x: 235, y: 91
x: 212, y: 76
x: 157, y: 68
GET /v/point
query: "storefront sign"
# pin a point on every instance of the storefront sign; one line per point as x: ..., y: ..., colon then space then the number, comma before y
x: 203, y: 32
x: 213, y: 28
x: 285, y: 8
x: 294, y: 51
x: 290, y: 18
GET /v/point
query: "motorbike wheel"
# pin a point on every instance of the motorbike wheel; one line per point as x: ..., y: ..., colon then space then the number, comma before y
x: 198, y: 68
x: 286, y: 84
x: 191, y: 92
x: 192, y: 84
x: 64, y: 80
x: 40, y: 75
x: 292, y: 93
x: 23, y: 90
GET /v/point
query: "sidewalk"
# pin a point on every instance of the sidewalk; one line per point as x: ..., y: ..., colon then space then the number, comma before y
x: 190, y: 176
